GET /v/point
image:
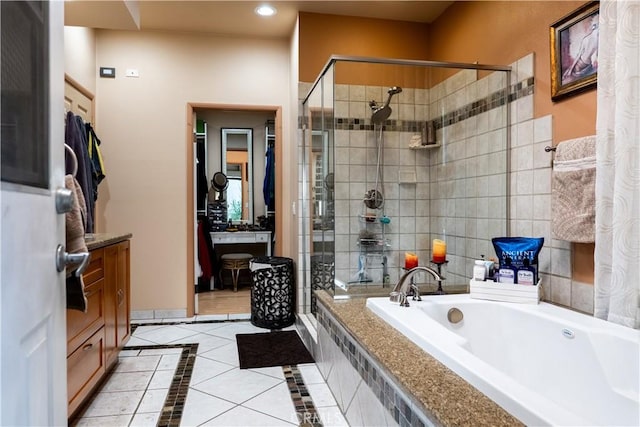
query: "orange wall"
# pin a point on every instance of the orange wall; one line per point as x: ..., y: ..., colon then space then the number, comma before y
x: 324, y: 35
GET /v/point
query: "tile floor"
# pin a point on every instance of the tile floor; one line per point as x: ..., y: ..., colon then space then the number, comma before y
x: 164, y: 378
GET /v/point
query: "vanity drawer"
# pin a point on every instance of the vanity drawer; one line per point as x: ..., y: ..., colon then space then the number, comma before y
x: 85, y: 368
x: 262, y: 237
x: 95, y: 269
x: 237, y: 237
x: 82, y: 325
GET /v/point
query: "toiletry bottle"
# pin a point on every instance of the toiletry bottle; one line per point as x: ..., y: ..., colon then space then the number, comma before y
x: 496, y: 267
x: 488, y: 264
x: 508, y: 272
x: 526, y: 274
x: 479, y: 270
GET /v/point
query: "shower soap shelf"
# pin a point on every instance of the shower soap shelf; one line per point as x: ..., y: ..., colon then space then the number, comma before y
x: 424, y: 147
x: 506, y: 292
x: 372, y: 239
x: 373, y: 244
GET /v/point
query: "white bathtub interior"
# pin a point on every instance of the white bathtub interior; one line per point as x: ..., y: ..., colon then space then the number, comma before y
x: 542, y: 363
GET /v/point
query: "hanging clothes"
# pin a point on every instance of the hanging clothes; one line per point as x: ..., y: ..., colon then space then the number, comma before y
x: 203, y: 252
x: 97, y: 165
x: 202, y: 184
x: 268, y: 187
x: 75, y: 137
x: 206, y: 254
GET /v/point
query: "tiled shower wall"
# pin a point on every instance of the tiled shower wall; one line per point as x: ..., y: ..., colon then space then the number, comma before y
x: 530, y: 200
x: 468, y: 172
x: 455, y: 191
x: 406, y: 203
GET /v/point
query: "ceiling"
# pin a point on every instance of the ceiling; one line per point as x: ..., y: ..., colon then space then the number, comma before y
x: 234, y: 17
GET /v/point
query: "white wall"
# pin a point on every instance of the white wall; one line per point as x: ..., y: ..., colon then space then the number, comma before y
x: 80, y: 56
x: 142, y: 127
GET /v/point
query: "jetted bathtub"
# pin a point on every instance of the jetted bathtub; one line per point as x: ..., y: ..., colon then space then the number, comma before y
x: 544, y: 364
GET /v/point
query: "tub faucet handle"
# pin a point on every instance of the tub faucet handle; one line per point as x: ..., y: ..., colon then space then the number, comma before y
x: 406, y: 284
x: 400, y: 298
x: 415, y: 291
x: 404, y: 301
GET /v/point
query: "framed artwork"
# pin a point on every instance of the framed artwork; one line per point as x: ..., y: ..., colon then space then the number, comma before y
x: 574, y: 51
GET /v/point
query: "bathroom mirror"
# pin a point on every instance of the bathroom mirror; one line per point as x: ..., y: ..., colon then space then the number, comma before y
x: 237, y: 155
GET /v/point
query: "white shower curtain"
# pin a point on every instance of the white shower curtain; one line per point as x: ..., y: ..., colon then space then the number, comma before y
x: 617, y: 250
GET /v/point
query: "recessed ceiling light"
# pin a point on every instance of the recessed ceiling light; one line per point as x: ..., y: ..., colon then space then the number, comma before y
x: 266, y: 10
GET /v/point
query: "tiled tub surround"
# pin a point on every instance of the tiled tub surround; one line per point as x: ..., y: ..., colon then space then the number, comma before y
x: 379, y: 377
x: 461, y: 186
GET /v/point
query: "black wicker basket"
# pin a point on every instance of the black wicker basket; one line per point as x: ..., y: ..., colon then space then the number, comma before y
x: 273, y: 292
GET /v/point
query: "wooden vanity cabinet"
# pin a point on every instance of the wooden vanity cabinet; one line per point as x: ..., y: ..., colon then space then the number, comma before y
x: 94, y: 338
x: 116, y: 299
x: 85, y: 336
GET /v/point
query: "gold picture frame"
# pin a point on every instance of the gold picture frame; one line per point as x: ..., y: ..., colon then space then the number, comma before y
x: 574, y: 51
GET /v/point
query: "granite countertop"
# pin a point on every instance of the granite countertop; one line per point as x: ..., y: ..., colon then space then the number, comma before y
x: 99, y: 240
x: 449, y: 398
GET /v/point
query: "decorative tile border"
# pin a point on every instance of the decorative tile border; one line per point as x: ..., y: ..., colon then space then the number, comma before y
x: 135, y: 325
x: 388, y: 393
x: 177, y: 395
x: 305, y: 409
x: 491, y: 101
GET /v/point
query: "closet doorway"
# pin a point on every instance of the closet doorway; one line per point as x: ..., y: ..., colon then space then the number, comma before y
x: 214, y: 133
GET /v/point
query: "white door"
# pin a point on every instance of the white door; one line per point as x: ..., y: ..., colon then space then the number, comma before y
x: 33, y: 375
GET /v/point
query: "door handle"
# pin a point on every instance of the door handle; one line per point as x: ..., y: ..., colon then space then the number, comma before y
x: 64, y: 258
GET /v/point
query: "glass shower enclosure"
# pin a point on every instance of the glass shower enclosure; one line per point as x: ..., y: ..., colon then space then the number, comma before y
x: 394, y: 155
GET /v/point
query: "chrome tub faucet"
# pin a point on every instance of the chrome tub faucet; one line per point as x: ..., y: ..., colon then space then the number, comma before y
x: 406, y: 284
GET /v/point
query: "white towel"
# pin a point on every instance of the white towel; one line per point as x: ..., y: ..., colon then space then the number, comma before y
x: 573, y: 190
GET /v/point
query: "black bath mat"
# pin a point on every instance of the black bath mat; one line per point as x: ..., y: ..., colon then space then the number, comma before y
x: 278, y: 348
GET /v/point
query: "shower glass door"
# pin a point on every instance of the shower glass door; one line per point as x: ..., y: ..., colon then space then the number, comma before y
x: 438, y: 156
x: 318, y: 191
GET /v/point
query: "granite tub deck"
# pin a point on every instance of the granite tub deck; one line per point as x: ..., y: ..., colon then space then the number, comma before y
x: 100, y: 240
x: 447, y: 398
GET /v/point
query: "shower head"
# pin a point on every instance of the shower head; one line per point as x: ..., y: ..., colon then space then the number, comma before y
x: 392, y: 91
x: 380, y: 114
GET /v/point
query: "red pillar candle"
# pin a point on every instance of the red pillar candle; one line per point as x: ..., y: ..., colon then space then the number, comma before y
x: 439, y: 251
x: 410, y: 260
